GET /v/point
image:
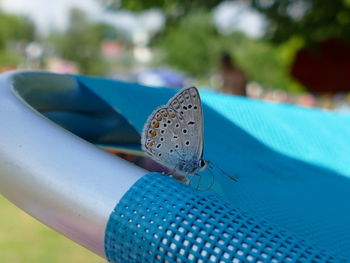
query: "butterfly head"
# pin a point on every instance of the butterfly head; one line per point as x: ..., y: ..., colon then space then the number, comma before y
x: 202, y: 164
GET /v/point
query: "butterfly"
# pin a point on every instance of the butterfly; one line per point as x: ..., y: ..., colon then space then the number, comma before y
x: 173, y: 134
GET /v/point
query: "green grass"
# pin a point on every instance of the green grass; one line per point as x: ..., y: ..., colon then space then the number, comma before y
x: 23, y: 239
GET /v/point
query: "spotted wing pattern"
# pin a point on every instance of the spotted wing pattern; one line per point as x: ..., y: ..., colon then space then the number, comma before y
x: 173, y: 134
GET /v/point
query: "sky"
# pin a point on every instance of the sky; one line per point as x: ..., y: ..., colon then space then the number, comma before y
x: 229, y: 16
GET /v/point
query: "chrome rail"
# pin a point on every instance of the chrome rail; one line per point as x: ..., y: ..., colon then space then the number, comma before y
x: 58, y: 178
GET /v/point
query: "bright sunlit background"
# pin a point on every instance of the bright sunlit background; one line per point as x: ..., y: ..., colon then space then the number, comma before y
x: 290, y: 51
x: 177, y: 44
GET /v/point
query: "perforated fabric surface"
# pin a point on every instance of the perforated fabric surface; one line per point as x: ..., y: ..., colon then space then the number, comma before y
x: 292, y: 163
x: 162, y: 220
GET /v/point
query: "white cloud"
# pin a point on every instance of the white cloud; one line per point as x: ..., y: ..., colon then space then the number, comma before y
x: 49, y: 14
x: 55, y: 14
x: 229, y: 16
x: 233, y: 16
x: 140, y: 26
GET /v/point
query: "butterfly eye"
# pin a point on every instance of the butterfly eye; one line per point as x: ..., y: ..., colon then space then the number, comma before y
x: 202, y: 164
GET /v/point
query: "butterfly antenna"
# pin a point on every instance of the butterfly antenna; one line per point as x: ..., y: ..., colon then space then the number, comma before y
x: 211, y: 165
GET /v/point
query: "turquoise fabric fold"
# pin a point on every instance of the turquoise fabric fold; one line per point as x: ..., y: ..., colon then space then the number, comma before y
x: 292, y: 163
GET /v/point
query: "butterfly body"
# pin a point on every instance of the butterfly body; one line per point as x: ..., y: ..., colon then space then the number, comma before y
x: 192, y: 166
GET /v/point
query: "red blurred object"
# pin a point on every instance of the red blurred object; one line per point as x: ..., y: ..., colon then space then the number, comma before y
x: 325, y: 68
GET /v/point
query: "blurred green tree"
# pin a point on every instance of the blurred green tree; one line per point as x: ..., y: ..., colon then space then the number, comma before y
x: 311, y: 20
x: 14, y: 31
x: 195, y: 46
x: 192, y: 45
x: 265, y: 62
x: 15, y: 28
x: 81, y: 42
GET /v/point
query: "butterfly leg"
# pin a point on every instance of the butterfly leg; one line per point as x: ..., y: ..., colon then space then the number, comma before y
x: 199, y: 180
x: 171, y: 173
x: 212, y: 179
x: 187, y: 179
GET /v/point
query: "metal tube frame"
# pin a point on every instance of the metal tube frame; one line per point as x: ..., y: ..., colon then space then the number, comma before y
x: 58, y: 178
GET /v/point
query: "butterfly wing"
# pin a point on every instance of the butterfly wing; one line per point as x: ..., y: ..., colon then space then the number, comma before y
x: 158, y: 138
x: 173, y: 134
x: 188, y: 107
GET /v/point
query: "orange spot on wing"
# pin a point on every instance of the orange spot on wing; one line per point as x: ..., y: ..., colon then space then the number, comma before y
x: 153, y: 133
x: 159, y: 118
x: 172, y: 115
x: 156, y: 125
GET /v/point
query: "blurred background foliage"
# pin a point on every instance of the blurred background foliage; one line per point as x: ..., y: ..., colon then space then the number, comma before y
x: 81, y: 42
x: 24, y: 240
x: 312, y: 20
x: 12, y: 37
x: 189, y: 41
x: 195, y: 46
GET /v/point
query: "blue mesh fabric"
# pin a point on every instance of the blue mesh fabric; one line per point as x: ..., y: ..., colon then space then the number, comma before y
x: 162, y: 220
x: 292, y: 163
